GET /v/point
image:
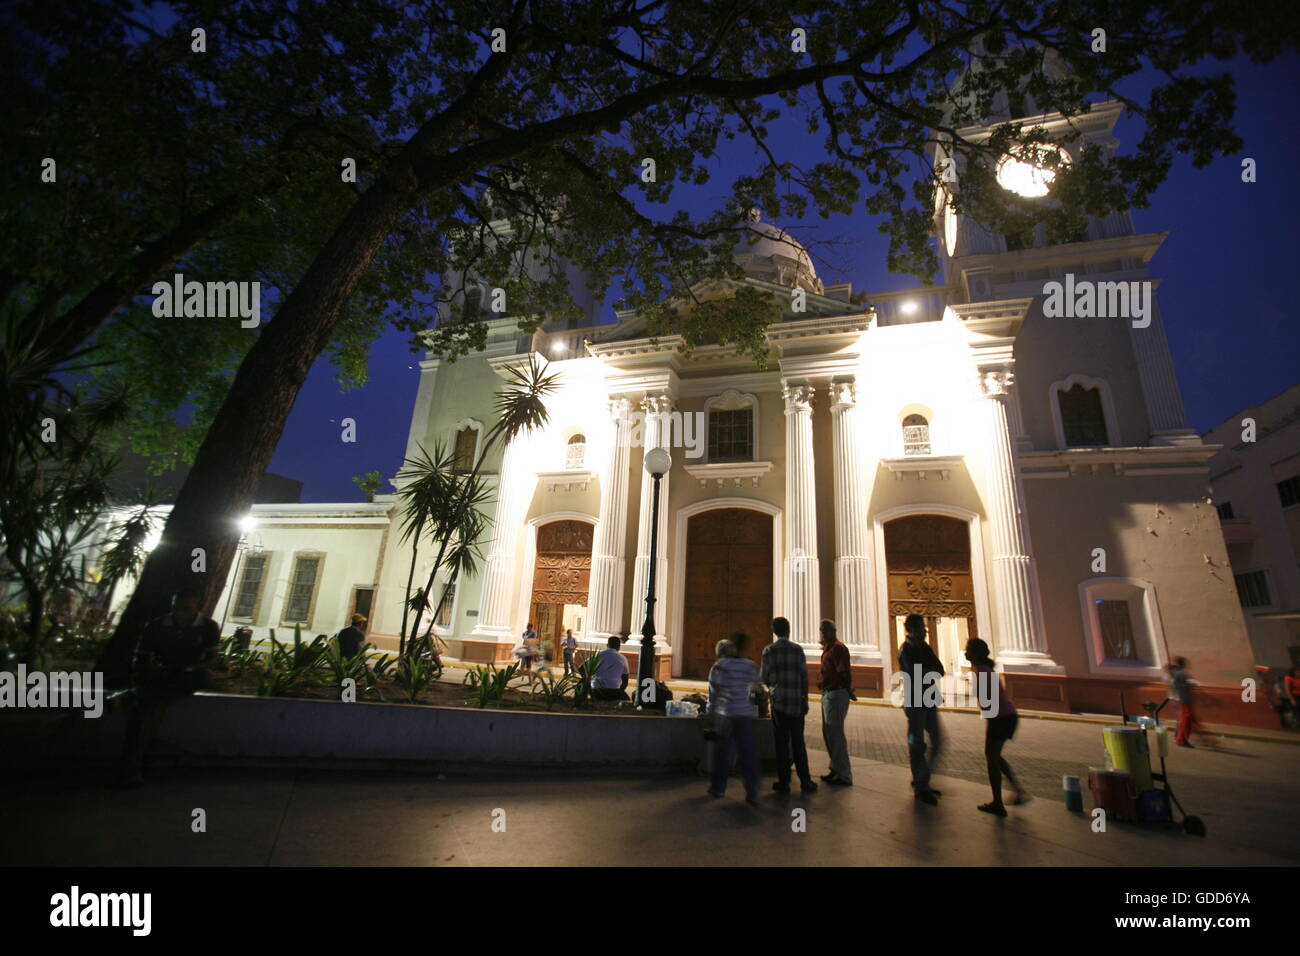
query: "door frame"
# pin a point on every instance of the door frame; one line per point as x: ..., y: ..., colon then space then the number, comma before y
x: 978, y: 582
x: 677, y: 608
x: 524, y: 602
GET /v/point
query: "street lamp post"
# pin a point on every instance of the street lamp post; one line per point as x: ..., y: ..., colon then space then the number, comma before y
x: 657, y: 463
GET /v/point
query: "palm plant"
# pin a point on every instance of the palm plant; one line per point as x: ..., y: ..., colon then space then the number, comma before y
x: 488, y: 683
x: 553, y: 689
x: 443, y: 504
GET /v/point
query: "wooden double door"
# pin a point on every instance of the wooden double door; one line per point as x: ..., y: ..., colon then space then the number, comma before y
x: 728, y: 584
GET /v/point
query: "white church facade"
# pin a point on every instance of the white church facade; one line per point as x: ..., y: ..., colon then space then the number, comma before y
x: 956, y: 451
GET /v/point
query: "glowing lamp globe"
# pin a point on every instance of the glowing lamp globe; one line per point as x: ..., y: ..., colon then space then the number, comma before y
x: 1025, y: 173
x: 658, y: 461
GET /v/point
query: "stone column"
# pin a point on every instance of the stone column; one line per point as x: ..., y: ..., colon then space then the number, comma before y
x: 657, y: 408
x: 853, y: 582
x: 1159, y: 383
x: 1021, y: 643
x: 500, y: 579
x: 605, y: 600
x: 802, y: 579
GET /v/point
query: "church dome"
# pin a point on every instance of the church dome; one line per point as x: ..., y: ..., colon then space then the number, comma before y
x: 766, y: 251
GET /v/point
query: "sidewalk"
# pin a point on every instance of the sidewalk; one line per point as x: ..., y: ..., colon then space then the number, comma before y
x: 285, y: 818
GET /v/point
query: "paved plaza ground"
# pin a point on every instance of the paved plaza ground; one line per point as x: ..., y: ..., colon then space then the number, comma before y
x: 1247, y: 793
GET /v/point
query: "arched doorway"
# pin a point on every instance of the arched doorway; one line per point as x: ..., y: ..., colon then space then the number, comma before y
x: 728, y: 584
x: 928, y: 572
x: 561, y: 580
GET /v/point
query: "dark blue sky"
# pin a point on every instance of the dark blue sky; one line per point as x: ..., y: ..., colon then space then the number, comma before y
x: 1225, y: 272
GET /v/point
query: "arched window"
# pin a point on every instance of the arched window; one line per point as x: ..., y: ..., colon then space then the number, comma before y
x: 916, y: 435
x: 1083, y: 419
x: 575, y: 456
x: 466, y: 447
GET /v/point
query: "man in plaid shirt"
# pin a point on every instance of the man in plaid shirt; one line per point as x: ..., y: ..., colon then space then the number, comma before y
x: 785, y: 671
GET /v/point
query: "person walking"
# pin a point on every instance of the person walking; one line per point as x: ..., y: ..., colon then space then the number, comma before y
x: 733, y: 681
x: 570, y: 648
x: 836, y: 683
x: 1000, y: 719
x: 921, y: 699
x: 351, y: 637
x: 1182, y: 689
x: 785, y: 672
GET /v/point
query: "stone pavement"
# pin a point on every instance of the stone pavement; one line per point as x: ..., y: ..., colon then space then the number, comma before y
x: 1247, y: 797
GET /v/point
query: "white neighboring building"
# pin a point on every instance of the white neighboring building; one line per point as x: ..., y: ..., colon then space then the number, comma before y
x: 1257, y: 494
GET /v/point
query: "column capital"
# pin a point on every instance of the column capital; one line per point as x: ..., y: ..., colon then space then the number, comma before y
x: 619, y: 408
x: 657, y: 403
x: 844, y: 394
x: 996, y: 382
x: 798, y: 397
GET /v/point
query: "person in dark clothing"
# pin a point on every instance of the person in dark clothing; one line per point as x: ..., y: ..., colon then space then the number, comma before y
x: 171, y: 662
x: 1000, y: 719
x: 921, y: 698
x: 785, y: 672
x: 352, y: 637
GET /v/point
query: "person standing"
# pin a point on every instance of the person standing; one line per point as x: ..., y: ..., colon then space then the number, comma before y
x: 836, y: 683
x: 1182, y: 689
x: 351, y: 637
x: 785, y: 672
x: 570, y: 648
x: 733, y: 681
x: 921, y: 699
x: 1000, y: 719
x: 170, y: 662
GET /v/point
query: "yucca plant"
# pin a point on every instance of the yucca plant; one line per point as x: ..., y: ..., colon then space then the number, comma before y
x: 414, y: 674
x: 336, y: 668
x: 235, y: 658
x: 552, y: 689
x: 586, y: 674
x: 489, y: 683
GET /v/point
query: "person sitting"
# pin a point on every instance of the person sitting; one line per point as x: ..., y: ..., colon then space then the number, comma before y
x: 351, y: 638
x: 609, y: 682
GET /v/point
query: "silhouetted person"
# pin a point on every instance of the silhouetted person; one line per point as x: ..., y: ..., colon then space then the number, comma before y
x: 243, y: 638
x: 353, y: 636
x: 170, y: 662
x: 836, y: 685
x: 1000, y: 719
x: 921, y: 673
x: 732, y: 684
x: 785, y: 672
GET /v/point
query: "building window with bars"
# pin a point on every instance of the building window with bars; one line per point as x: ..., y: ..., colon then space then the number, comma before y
x: 1116, y: 622
x: 1225, y: 511
x: 1083, y: 419
x: 916, y: 435
x: 249, y: 590
x: 731, y: 434
x: 1288, y: 491
x: 302, y: 590
x: 575, y: 453
x: 1252, y: 589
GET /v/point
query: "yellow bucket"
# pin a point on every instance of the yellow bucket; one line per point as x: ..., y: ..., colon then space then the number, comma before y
x: 1128, y: 750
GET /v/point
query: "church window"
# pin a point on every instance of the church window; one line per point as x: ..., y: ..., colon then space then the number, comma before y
x: 302, y: 590
x: 250, y: 586
x: 916, y: 435
x: 1288, y: 491
x: 575, y: 455
x: 466, y: 446
x: 1116, y: 623
x: 1082, y: 418
x: 731, y: 434
x: 1225, y: 511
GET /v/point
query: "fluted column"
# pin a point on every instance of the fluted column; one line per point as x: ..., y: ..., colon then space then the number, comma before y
x: 853, y: 583
x: 605, y: 600
x: 802, y: 587
x: 1159, y: 383
x: 1021, y: 643
x: 656, y: 409
x: 500, y: 580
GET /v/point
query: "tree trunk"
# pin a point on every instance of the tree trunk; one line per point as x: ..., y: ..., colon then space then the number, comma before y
x: 243, y: 436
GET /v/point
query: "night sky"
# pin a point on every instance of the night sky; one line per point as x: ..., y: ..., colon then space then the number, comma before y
x: 1225, y: 271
